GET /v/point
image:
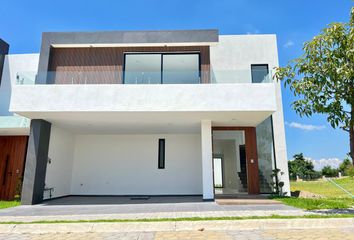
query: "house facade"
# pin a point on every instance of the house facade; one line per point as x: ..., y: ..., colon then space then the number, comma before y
x: 14, y: 129
x: 132, y: 113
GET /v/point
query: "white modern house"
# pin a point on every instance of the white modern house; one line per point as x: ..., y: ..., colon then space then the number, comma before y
x: 133, y: 113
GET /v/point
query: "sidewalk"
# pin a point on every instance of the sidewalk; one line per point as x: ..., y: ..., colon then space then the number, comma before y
x: 242, y: 229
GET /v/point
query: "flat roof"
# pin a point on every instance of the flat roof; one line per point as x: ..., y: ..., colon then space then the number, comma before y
x: 131, y: 37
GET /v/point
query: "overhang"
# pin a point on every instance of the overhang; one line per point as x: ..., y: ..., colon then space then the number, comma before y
x: 119, y: 108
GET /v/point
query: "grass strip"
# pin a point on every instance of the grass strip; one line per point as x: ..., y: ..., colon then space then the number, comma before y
x: 313, y: 216
x: 8, y: 204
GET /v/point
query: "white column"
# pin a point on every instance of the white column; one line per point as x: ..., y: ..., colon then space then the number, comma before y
x: 207, y: 158
x: 279, y: 140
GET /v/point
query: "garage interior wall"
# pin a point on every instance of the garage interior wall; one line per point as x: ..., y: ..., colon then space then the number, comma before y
x: 123, y: 164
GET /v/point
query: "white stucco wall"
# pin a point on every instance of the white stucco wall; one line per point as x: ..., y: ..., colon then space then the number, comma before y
x: 59, y: 170
x: 14, y: 63
x: 128, y: 164
x: 235, y: 54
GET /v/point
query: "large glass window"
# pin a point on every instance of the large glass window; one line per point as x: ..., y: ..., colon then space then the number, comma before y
x: 259, y: 73
x: 161, y: 68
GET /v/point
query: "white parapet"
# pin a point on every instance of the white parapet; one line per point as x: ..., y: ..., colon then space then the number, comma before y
x: 143, y: 98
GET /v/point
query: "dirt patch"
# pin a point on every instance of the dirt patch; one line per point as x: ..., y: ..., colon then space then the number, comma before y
x: 305, y: 194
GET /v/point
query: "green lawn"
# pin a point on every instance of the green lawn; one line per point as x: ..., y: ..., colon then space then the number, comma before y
x: 7, y: 204
x: 325, y: 188
x: 315, y: 204
x: 334, y: 198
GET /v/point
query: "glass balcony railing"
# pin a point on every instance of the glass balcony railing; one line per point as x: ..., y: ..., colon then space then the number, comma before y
x: 139, y: 77
x: 14, y: 122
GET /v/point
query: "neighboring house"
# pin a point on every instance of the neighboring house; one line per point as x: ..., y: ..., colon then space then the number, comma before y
x: 14, y: 129
x: 151, y: 113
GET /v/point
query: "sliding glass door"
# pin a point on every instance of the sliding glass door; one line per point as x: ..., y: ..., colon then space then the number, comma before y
x: 161, y: 68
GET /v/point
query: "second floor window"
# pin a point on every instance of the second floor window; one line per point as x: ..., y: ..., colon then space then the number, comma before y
x: 259, y: 73
x: 161, y: 68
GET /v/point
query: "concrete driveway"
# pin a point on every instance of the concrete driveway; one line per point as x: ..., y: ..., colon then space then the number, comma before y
x: 75, y: 208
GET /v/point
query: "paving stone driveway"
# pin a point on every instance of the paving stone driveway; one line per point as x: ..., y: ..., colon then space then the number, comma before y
x: 296, y: 234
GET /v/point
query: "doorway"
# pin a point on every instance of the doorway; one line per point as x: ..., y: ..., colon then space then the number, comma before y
x: 235, y: 162
x: 218, y: 172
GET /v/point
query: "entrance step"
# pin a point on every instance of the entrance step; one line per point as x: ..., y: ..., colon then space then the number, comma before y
x: 241, y: 196
x: 229, y: 201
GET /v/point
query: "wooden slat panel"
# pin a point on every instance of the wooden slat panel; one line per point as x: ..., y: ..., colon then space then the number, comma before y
x: 105, y: 65
x: 14, y: 149
x: 252, y: 161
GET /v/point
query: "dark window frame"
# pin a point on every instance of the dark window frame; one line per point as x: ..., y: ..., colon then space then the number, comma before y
x: 162, y: 54
x: 259, y: 65
x: 161, y: 153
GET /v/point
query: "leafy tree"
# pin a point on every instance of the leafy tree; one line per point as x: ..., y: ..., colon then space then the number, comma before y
x: 301, y: 167
x: 350, y: 171
x: 328, y: 171
x: 323, y: 77
x: 344, y: 165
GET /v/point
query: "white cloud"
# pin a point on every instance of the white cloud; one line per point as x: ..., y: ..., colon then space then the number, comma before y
x: 250, y: 29
x: 320, y: 163
x: 288, y: 44
x: 306, y: 127
x: 254, y: 31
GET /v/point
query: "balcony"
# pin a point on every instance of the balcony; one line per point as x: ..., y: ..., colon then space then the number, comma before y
x: 142, y: 77
x: 225, y: 97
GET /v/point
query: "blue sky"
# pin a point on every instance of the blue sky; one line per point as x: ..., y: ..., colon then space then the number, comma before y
x: 293, y: 21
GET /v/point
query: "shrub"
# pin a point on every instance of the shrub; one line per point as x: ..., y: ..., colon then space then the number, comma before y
x: 328, y: 171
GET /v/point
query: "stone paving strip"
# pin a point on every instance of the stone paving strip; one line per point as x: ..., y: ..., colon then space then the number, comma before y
x: 156, y: 215
x: 219, y: 225
x: 279, y: 234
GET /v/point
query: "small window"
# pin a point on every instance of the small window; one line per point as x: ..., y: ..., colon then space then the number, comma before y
x: 259, y: 73
x: 161, y: 153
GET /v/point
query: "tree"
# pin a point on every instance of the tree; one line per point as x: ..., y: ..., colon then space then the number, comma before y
x: 344, y: 165
x: 328, y: 171
x: 301, y: 167
x: 323, y: 77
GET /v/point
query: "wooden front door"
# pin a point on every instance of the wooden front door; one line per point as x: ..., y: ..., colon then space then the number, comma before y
x: 12, y: 162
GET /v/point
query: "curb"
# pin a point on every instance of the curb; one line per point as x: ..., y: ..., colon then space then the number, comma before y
x: 220, y: 225
x: 154, y: 215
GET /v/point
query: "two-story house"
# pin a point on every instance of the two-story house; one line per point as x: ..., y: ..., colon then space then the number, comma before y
x: 187, y: 112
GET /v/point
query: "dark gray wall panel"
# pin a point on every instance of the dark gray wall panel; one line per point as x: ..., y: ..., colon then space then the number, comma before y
x: 118, y: 37
x: 4, y: 49
x: 36, y: 162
